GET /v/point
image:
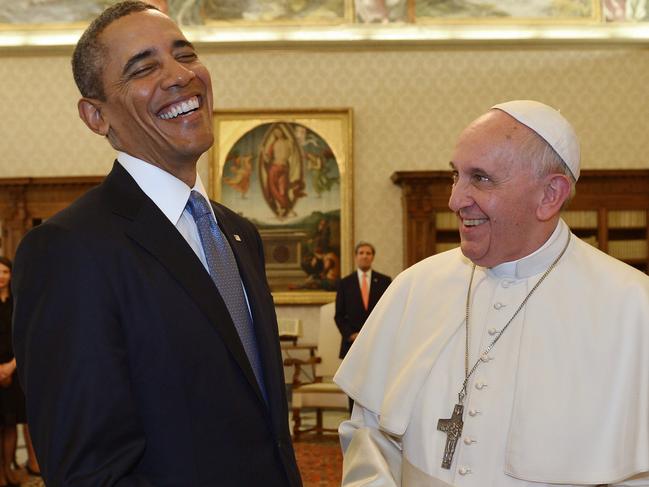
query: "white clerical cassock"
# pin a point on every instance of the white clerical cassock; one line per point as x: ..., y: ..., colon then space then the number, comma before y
x: 563, y: 397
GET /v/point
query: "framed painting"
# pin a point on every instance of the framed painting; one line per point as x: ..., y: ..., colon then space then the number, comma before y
x: 290, y: 173
x: 506, y: 11
x: 269, y: 12
x: 76, y: 13
x: 64, y: 14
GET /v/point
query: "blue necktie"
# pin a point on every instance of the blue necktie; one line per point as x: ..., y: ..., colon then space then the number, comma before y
x: 225, y: 274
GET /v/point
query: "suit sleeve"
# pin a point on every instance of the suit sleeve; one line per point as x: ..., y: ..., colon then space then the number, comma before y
x: 341, y: 317
x: 73, y: 364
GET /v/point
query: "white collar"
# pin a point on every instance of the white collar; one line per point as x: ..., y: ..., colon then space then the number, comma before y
x: 360, y: 273
x: 538, y: 261
x: 168, y: 192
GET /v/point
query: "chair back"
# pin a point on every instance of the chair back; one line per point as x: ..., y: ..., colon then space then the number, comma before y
x: 328, y: 343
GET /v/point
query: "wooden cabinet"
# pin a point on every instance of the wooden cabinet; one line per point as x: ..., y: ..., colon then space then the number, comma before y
x: 26, y: 202
x: 610, y: 211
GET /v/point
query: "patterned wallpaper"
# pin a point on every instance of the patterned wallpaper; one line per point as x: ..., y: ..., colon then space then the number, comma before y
x: 409, y: 106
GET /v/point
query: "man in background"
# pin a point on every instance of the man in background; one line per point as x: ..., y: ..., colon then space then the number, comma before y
x: 519, y: 359
x: 357, y: 295
x: 145, y: 333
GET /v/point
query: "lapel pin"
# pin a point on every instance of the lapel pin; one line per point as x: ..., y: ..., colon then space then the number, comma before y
x: 237, y: 237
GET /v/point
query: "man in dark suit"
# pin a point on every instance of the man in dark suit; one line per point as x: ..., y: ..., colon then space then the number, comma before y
x: 145, y: 332
x: 357, y: 295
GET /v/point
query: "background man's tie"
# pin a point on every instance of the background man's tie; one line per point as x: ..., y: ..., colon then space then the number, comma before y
x: 365, y: 292
x: 225, y: 274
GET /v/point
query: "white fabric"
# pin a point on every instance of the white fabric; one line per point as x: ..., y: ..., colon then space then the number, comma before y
x: 565, y: 396
x: 550, y: 125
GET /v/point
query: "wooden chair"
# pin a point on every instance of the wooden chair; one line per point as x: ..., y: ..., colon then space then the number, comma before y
x: 322, y: 394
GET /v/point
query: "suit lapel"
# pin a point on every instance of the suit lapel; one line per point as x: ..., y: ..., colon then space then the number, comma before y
x: 356, y: 289
x: 151, y: 229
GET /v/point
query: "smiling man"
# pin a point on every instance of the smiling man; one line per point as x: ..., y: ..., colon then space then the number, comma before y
x: 144, y: 330
x: 517, y: 360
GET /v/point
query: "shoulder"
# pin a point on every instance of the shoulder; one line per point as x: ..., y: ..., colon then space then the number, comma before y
x: 435, y: 269
x: 349, y: 277
x: 381, y: 277
x: 606, y: 287
x: 225, y: 214
x: 85, y: 216
x: 88, y: 207
x: 596, y: 266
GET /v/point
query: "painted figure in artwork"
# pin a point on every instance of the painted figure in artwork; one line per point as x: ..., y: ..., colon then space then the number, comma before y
x: 321, y: 179
x: 240, y: 168
x: 281, y: 170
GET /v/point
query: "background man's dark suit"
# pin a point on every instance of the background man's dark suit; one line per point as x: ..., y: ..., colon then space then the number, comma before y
x: 350, y: 312
x: 136, y: 352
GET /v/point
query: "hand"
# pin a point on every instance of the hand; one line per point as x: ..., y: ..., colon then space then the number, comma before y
x: 352, y: 337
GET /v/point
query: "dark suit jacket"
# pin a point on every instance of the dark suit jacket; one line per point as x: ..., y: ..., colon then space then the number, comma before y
x: 350, y: 312
x: 133, y: 370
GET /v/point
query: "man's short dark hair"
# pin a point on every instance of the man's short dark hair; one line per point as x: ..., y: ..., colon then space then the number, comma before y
x: 89, y: 54
x: 364, y: 244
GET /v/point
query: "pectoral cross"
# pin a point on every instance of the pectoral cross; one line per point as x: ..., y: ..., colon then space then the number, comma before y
x: 453, y: 429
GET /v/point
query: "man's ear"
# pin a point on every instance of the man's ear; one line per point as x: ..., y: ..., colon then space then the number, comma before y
x: 556, y: 190
x: 90, y: 111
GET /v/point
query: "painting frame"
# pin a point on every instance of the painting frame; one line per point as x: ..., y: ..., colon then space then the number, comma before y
x: 231, y: 125
x: 594, y: 18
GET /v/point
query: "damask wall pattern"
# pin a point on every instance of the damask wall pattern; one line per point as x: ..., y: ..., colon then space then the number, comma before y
x: 409, y: 106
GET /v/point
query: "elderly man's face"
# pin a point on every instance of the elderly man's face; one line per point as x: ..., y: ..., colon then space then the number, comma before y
x: 158, y: 94
x: 495, y: 195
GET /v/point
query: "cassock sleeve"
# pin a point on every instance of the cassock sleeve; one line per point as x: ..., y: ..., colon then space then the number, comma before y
x: 371, y: 457
x: 73, y: 364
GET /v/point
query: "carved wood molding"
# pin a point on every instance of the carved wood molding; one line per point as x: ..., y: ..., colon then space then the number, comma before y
x: 25, y: 202
x: 423, y: 194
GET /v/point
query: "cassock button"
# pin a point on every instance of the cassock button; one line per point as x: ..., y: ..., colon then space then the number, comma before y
x: 499, y: 305
x: 464, y: 470
x: 468, y: 440
x: 492, y: 331
x: 480, y: 385
x: 474, y: 412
